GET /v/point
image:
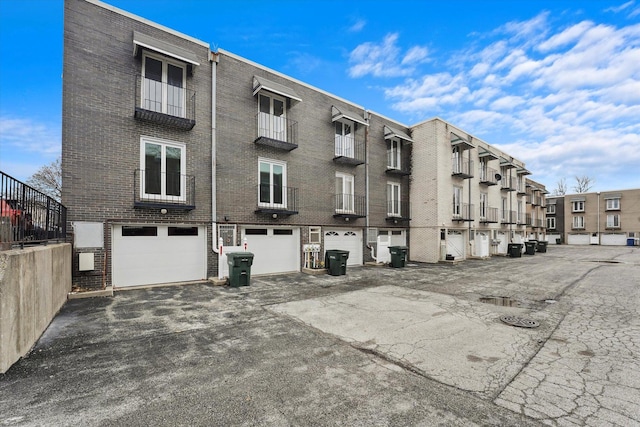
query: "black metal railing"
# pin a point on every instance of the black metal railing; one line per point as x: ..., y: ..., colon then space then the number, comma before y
x: 28, y: 215
x: 154, y: 189
x: 490, y: 215
x: 463, y: 212
x: 488, y: 176
x: 164, y: 103
x: 349, y: 150
x: 277, y: 199
x: 507, y: 183
x: 398, y: 210
x: 462, y: 167
x: 508, y: 217
x: 276, y: 131
x: 350, y: 206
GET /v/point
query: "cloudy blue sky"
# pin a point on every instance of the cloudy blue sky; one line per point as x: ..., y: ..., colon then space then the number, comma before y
x: 555, y: 83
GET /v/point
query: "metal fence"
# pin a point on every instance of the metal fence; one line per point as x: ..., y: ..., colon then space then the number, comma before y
x: 28, y: 216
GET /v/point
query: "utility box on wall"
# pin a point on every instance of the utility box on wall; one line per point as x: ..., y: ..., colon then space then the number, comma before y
x: 86, y: 261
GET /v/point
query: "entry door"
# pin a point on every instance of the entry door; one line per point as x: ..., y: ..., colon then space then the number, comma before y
x: 383, y: 246
x: 503, y: 244
x: 344, y: 140
x: 272, y: 120
x: 455, y: 244
x: 482, y: 244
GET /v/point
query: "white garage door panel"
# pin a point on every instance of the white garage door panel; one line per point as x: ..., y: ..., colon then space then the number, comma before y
x: 146, y: 259
x: 551, y: 238
x: 615, y: 239
x: 277, y: 251
x: 578, y: 239
x: 455, y: 244
x: 346, y: 240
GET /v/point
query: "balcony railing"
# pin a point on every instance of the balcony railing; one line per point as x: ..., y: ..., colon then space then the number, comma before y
x: 28, y: 216
x: 490, y: 215
x: 462, y: 212
x: 395, y: 166
x: 398, y: 211
x: 349, y: 150
x: 535, y: 200
x: 508, y: 217
x: 488, y: 176
x: 520, y: 188
x: 507, y: 183
x: 277, y: 200
x: 349, y: 206
x: 537, y: 223
x: 163, y: 103
x: 153, y: 189
x: 276, y: 131
x: 521, y: 219
x: 462, y: 167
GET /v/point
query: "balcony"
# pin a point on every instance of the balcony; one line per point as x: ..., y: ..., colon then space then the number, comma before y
x: 521, y: 189
x: 507, y: 183
x: 165, y: 104
x: 528, y: 220
x: 508, y: 217
x: 155, y: 190
x: 461, y: 167
x: 349, y: 206
x: 462, y: 212
x: 537, y: 223
x: 276, y: 132
x: 521, y: 219
x: 398, y: 211
x: 277, y: 200
x: 488, y: 176
x: 535, y: 200
x: 349, y: 150
x: 490, y: 216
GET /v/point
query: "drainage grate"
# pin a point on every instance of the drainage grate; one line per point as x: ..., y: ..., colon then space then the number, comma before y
x: 520, y: 322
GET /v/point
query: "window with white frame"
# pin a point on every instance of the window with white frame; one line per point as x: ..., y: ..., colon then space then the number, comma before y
x: 551, y: 223
x: 578, y: 222
x: 457, y: 159
x: 344, y: 139
x: 272, y: 116
x: 551, y: 209
x: 272, y: 183
x: 577, y: 206
x: 483, y: 169
x: 162, y: 165
x: 483, y: 205
x: 457, y: 202
x: 613, y: 221
x: 344, y: 192
x: 393, y: 199
x: 163, y: 83
x: 613, y: 204
x: 394, y: 154
x: 520, y: 213
x: 505, y: 208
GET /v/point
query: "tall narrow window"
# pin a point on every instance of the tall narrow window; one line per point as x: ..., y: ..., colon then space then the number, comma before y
x: 272, y: 183
x: 163, y: 86
x: 163, y: 165
x: 393, y: 199
x: 505, y: 209
x: 344, y: 193
x: 344, y: 139
x: 457, y: 202
x: 613, y: 221
x: 394, y: 154
x: 483, y: 205
x: 551, y: 223
x: 272, y: 120
x: 483, y: 170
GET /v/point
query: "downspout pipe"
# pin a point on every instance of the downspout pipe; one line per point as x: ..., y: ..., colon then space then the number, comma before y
x: 216, y: 244
x: 366, y: 183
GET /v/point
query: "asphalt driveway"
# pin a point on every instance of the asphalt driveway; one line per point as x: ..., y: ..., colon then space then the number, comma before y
x: 379, y: 346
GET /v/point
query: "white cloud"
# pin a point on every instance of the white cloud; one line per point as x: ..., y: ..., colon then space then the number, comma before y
x: 384, y: 59
x: 616, y: 9
x: 357, y: 26
x: 27, y: 135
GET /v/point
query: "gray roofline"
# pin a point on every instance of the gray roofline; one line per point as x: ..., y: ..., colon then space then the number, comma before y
x: 146, y: 21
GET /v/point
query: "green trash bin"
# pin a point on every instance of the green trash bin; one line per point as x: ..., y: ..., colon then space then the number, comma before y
x: 398, y: 256
x: 542, y: 246
x: 515, y: 250
x: 335, y: 260
x: 239, y: 268
x: 530, y: 247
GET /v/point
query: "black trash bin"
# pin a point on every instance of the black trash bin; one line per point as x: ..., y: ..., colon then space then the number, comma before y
x: 542, y: 246
x: 335, y: 260
x: 530, y: 247
x: 398, y: 256
x: 515, y: 250
x: 239, y: 268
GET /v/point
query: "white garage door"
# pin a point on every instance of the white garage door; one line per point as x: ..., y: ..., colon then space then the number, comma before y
x: 346, y: 240
x: 455, y: 244
x: 614, y: 239
x: 578, y: 239
x: 503, y: 245
x: 551, y: 238
x: 482, y: 244
x: 153, y: 254
x: 275, y: 249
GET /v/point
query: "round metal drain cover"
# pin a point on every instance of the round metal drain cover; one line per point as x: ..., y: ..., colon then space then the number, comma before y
x: 519, y: 321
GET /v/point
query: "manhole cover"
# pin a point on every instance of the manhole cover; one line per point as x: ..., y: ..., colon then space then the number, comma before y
x: 503, y: 301
x: 519, y: 321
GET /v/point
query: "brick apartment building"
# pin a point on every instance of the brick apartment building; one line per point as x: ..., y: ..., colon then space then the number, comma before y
x: 536, y: 194
x: 172, y: 152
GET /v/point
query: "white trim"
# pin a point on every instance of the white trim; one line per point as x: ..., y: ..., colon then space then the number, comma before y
x: 272, y: 163
x: 183, y: 168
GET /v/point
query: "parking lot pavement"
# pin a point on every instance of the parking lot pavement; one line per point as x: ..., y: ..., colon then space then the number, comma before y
x: 379, y: 346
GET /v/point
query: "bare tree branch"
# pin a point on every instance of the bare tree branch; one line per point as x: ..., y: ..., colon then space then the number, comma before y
x: 583, y: 184
x: 48, y: 179
x: 561, y: 188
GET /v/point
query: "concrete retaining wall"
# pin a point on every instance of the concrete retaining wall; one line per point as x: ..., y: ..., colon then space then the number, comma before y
x: 34, y: 283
